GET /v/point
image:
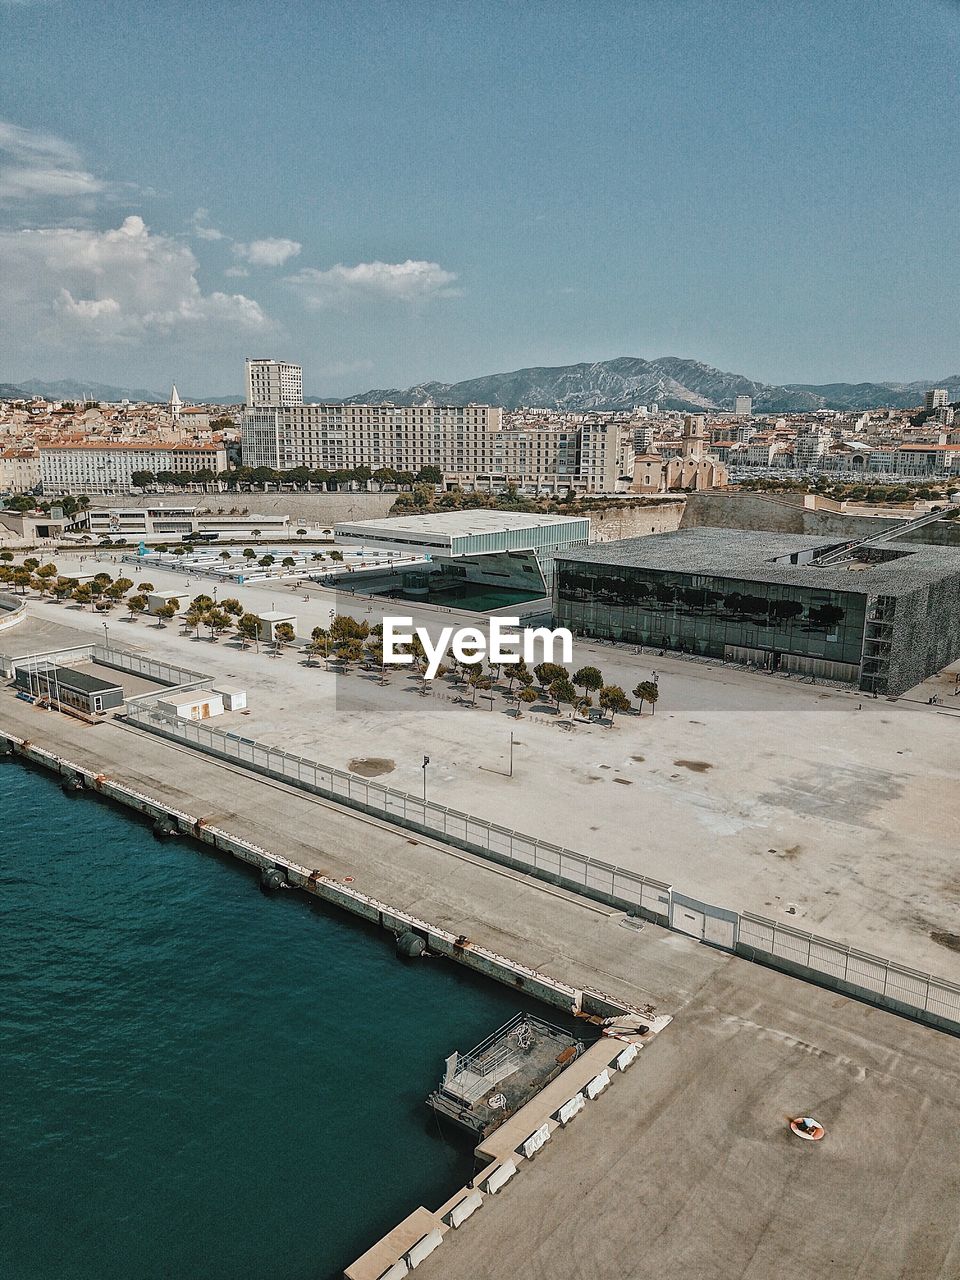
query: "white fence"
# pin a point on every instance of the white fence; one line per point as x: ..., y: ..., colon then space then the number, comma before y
x: 832, y: 964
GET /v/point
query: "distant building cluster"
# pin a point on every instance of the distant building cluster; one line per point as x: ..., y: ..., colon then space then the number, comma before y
x: 58, y: 447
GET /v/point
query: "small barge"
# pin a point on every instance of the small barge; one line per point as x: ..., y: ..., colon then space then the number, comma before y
x: 480, y: 1089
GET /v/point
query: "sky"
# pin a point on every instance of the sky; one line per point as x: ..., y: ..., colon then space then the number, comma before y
x: 389, y: 193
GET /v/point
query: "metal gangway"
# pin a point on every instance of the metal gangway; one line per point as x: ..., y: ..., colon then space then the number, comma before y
x: 848, y: 549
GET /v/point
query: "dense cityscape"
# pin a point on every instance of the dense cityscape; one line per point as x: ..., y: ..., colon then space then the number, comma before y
x: 476, y: 802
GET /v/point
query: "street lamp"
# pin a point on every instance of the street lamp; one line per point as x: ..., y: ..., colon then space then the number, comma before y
x: 426, y: 761
x: 106, y: 636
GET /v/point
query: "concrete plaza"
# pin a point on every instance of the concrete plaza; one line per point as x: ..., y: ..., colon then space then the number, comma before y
x: 833, y: 812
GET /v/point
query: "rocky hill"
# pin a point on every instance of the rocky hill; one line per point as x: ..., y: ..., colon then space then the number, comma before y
x: 671, y: 382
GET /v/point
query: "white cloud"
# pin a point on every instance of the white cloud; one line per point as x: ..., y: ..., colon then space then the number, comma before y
x: 38, y: 166
x: 381, y: 281
x: 199, y: 224
x: 68, y: 284
x: 267, y: 253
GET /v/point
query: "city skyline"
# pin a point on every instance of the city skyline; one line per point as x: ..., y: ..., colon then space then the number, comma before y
x: 562, y: 189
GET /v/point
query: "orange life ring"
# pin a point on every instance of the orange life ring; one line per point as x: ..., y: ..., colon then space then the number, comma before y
x: 808, y: 1128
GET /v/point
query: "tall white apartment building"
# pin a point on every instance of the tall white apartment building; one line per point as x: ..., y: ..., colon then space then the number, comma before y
x: 468, y: 443
x: 273, y: 382
x: 93, y: 467
x: 742, y: 406
x: 935, y: 399
x: 811, y: 443
x: 19, y: 470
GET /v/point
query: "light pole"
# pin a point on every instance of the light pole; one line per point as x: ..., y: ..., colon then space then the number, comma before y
x: 511, y: 753
x: 106, y: 636
x: 426, y: 761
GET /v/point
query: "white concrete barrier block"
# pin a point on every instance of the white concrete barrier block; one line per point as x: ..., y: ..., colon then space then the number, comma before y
x: 536, y: 1140
x: 465, y: 1207
x: 571, y: 1108
x: 500, y: 1177
x: 626, y: 1057
x: 597, y: 1085
x: 423, y: 1248
x: 397, y: 1271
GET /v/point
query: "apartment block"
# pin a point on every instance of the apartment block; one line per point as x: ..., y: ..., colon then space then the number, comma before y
x: 19, y: 470
x: 468, y: 443
x: 273, y: 382
x: 95, y: 467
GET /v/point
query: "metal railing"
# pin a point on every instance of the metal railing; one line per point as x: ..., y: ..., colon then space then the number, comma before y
x: 821, y: 960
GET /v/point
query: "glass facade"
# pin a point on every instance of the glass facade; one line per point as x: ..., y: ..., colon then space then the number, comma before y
x: 714, y: 616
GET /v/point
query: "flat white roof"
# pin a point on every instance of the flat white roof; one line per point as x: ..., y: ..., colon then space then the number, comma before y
x: 456, y: 524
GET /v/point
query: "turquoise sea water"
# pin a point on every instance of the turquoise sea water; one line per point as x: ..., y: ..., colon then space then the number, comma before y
x: 199, y: 1082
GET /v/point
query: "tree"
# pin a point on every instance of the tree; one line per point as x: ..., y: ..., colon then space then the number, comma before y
x: 582, y: 705
x: 547, y: 672
x: 145, y: 587
x: 63, y: 587
x: 524, y: 695
x: 430, y: 475
x: 224, y: 555
x: 167, y: 611
x: 193, y: 618
x: 288, y: 562
x: 478, y: 681
x: 647, y: 691
x: 562, y: 690
x: 283, y: 634
x: 202, y: 603
x: 301, y: 533
x: 232, y: 606
x: 346, y: 627
x: 83, y: 594
x: 589, y: 679
x: 32, y: 563
x: 348, y: 651
x: 22, y: 578
x: 143, y: 479
x: 136, y: 604
x: 217, y: 622
x: 248, y: 628
x: 613, y: 699
x: 266, y: 561
x: 336, y: 555
x: 249, y: 553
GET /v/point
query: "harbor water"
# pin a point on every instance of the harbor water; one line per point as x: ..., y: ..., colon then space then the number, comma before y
x: 200, y: 1082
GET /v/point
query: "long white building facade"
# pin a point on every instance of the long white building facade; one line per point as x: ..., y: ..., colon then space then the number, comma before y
x: 110, y: 468
x: 469, y: 444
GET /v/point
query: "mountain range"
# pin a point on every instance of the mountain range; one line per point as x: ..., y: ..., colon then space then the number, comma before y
x: 671, y: 382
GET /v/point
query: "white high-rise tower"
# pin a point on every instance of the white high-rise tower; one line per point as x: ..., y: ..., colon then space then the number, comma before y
x: 273, y: 383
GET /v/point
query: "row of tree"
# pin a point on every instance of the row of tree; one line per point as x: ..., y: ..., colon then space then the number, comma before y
x: 349, y: 641
x: 300, y: 477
